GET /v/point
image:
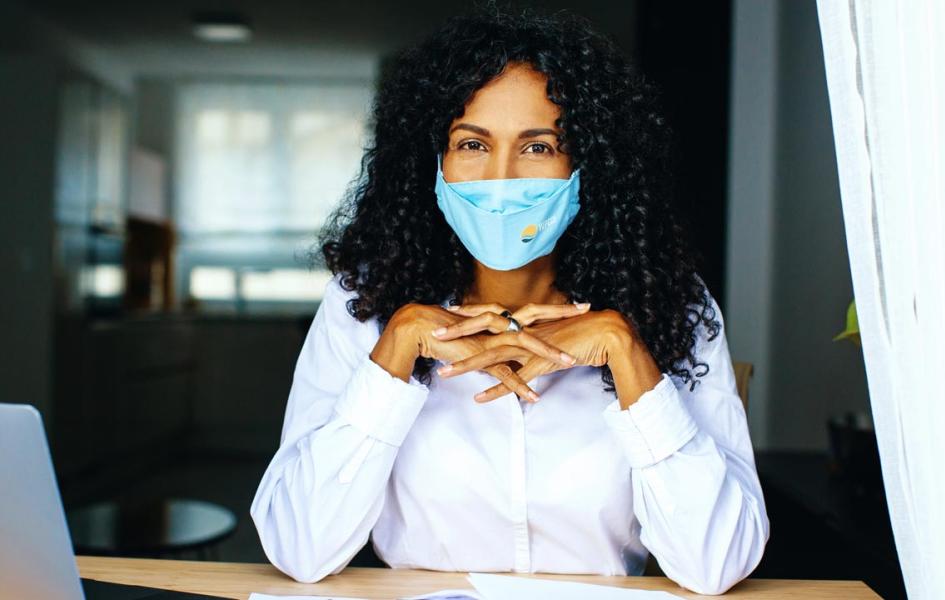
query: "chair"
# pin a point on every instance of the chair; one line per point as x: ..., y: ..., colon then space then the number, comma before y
x: 743, y: 373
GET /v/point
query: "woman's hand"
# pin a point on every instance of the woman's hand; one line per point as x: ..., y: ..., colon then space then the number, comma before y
x: 513, y: 345
x: 579, y: 336
x: 522, y: 347
x: 594, y: 338
x: 408, y: 335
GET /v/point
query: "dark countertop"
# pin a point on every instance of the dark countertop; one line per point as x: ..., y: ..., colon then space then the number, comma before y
x: 824, y: 525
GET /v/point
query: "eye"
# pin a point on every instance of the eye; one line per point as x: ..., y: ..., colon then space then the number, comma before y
x: 475, y: 145
x: 540, y: 148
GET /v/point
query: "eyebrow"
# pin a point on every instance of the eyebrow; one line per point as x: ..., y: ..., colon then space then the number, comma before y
x: 528, y: 133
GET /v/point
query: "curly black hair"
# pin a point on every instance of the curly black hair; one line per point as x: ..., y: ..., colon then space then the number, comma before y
x: 625, y: 250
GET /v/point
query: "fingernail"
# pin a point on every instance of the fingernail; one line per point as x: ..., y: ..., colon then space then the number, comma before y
x: 533, y: 396
x: 444, y: 369
x: 453, y: 307
x: 568, y: 358
x: 439, y: 332
x: 480, y: 396
x: 584, y: 305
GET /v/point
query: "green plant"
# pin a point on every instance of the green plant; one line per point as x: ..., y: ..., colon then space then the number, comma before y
x: 852, y: 331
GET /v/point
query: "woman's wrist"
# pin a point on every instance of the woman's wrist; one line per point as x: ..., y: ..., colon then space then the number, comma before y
x: 397, y: 349
x: 634, y: 370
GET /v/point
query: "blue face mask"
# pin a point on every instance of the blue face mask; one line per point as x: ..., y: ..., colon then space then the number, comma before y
x: 507, y: 223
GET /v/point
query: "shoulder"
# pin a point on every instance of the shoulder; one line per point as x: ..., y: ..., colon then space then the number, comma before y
x: 715, y: 402
x: 335, y: 297
x: 710, y: 347
x: 710, y: 330
x: 338, y: 323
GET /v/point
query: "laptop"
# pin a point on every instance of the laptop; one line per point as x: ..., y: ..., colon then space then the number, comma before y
x: 36, y: 556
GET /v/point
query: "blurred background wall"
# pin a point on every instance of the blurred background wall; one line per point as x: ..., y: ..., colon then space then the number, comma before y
x: 788, y: 271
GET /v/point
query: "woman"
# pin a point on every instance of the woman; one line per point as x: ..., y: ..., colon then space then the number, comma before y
x: 513, y: 229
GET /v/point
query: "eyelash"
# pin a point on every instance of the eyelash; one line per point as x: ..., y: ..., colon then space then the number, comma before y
x: 545, y: 146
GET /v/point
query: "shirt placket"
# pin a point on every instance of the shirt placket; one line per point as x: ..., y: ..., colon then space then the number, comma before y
x: 518, y: 484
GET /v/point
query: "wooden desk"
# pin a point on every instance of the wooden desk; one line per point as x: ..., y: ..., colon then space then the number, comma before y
x: 238, y: 580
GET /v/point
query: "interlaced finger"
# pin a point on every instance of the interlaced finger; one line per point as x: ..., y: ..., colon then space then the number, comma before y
x: 486, y: 358
x: 533, y: 313
x: 510, y: 382
x: 485, y: 321
x: 531, y: 369
x: 471, y: 310
x: 539, y: 347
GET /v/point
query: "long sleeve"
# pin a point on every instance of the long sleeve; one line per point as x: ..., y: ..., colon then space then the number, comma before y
x: 345, y: 419
x: 695, y: 487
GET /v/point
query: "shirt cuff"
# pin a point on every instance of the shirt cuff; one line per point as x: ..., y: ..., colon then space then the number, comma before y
x: 379, y: 404
x: 653, y: 427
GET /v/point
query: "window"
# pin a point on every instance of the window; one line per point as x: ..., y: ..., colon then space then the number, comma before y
x: 258, y: 168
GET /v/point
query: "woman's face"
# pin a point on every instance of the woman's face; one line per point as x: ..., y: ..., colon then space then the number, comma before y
x: 507, y: 131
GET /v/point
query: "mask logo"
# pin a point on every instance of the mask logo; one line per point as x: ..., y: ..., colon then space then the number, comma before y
x: 528, y: 234
x: 530, y: 231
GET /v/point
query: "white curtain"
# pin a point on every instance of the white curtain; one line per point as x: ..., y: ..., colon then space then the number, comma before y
x: 885, y: 63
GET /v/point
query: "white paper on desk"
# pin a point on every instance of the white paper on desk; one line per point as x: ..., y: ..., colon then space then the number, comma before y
x: 510, y: 587
x: 447, y: 595
x: 440, y: 595
x: 257, y: 596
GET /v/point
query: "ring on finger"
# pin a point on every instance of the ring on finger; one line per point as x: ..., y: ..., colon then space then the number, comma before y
x: 513, y: 324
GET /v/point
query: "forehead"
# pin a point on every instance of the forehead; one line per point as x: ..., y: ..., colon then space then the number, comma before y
x: 516, y: 99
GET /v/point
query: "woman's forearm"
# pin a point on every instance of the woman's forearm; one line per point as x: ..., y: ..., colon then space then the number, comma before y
x: 634, y: 370
x: 696, y: 494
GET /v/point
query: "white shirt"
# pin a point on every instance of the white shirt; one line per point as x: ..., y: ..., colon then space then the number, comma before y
x: 570, y: 484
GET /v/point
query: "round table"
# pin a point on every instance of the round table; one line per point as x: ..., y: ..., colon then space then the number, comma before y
x: 158, y: 527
